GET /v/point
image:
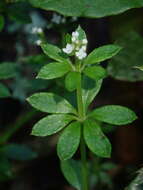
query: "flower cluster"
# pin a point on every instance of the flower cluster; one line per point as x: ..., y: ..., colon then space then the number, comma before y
x: 36, y: 30
x: 78, y: 47
x: 57, y: 19
x: 38, y: 42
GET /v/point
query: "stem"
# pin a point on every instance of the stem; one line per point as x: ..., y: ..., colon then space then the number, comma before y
x: 84, y: 163
x: 79, y: 98
x: 82, y: 145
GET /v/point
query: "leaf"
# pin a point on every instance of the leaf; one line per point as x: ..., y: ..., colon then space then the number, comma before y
x: 90, y: 90
x: 108, y: 166
x: 1, y: 22
x: 95, y: 72
x: 114, y: 114
x: 102, y: 53
x: 7, y: 70
x: 96, y: 141
x: 53, y: 52
x: 50, y: 103
x: 81, y: 32
x: 71, y: 81
x: 72, y: 172
x: 71, y: 135
x: 36, y: 60
x: 140, y: 68
x: 51, y: 124
x: 68, y: 39
x: 106, y: 179
x: 122, y: 66
x: 54, y: 70
x: 87, y: 8
x: 137, y: 183
x: 5, y: 169
x: 4, y: 92
x: 18, y: 152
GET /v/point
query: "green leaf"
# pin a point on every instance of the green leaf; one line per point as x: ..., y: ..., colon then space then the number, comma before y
x: 51, y: 124
x: 95, y: 72
x: 122, y: 66
x: 54, y: 70
x: 4, y: 92
x: 18, y: 152
x: 114, y: 114
x: 81, y: 32
x: 96, y: 141
x: 137, y: 183
x: 7, y: 70
x: 53, y: 52
x: 5, y: 169
x: 71, y: 135
x: 71, y: 81
x: 87, y: 8
x: 90, y: 90
x: 68, y: 39
x: 140, y: 68
x: 105, y: 179
x: 50, y: 103
x: 1, y: 22
x: 108, y: 166
x: 102, y: 53
x: 72, y: 172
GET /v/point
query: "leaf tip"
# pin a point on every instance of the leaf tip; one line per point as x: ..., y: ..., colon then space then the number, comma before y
x: 135, y: 117
x: 38, y: 76
x: 28, y: 99
x: 34, y: 133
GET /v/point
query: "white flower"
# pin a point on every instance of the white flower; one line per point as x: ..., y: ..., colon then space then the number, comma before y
x: 74, y: 39
x: 81, y: 54
x: 74, y: 18
x: 83, y: 48
x: 77, y: 46
x: 75, y: 34
x: 39, y: 30
x: 36, y: 30
x: 63, y: 20
x: 69, y: 48
x: 38, y: 42
x: 84, y: 41
x: 56, y: 18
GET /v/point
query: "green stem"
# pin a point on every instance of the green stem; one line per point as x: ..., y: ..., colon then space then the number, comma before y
x: 82, y: 145
x: 79, y: 98
x: 84, y: 163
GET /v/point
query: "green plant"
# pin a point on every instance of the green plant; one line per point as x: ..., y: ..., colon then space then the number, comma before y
x: 7, y: 71
x: 84, y: 77
x: 87, y: 8
x: 137, y: 183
